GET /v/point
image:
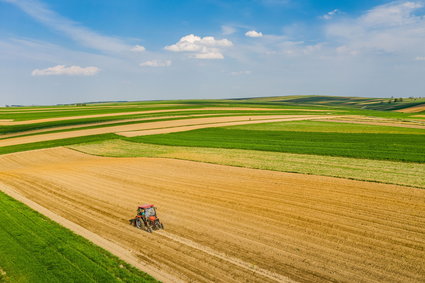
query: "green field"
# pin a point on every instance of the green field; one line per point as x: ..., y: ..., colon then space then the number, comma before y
x: 36, y: 249
x: 382, y: 146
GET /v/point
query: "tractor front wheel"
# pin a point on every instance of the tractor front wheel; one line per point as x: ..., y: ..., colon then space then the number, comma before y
x: 138, y: 223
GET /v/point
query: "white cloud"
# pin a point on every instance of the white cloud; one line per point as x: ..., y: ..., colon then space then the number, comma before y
x: 330, y: 15
x: 209, y: 55
x: 138, y: 48
x: 156, y: 63
x: 420, y: 58
x: 392, y: 14
x: 392, y: 28
x: 63, y: 70
x: 204, y: 47
x: 226, y: 30
x: 253, y: 33
x: 75, y: 31
x: 345, y: 50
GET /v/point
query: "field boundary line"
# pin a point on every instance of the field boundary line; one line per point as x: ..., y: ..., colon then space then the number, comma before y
x: 94, y: 238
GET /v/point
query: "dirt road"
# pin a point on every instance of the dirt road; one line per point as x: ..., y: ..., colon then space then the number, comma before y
x: 231, y: 224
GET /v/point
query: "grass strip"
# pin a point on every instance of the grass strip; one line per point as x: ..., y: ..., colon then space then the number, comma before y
x: 400, y: 173
x: 35, y: 249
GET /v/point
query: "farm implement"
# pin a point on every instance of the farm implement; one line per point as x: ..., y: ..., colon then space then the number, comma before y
x: 146, y: 218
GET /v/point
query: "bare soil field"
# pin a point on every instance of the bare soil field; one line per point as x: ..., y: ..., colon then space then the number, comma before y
x: 413, y: 109
x: 231, y: 224
x: 153, y: 125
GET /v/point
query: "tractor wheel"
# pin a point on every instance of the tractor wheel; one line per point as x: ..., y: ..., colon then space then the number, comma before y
x: 149, y: 229
x: 138, y: 223
x: 162, y: 225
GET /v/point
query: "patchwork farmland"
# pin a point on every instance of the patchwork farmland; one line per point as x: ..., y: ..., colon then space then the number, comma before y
x: 281, y: 189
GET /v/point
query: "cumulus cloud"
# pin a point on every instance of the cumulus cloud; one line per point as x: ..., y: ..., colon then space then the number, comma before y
x: 63, y: 70
x: 253, y: 33
x: 330, y: 15
x: 138, y: 48
x: 201, y: 47
x: 156, y: 63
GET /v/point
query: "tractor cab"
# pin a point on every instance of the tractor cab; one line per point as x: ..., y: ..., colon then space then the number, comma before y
x: 149, y: 211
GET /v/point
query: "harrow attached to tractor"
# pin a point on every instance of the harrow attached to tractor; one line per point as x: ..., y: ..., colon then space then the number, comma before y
x: 146, y: 218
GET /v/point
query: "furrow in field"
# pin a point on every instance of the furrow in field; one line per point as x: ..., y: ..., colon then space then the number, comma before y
x: 233, y: 224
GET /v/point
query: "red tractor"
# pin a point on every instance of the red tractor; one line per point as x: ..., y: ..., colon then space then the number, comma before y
x: 146, y: 218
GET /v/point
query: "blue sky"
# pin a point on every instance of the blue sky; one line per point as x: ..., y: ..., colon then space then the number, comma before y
x: 73, y: 51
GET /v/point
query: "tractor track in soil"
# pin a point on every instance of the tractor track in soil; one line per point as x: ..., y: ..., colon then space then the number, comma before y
x: 231, y: 224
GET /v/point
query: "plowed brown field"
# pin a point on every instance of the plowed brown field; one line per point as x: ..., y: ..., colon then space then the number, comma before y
x: 413, y: 109
x: 233, y: 224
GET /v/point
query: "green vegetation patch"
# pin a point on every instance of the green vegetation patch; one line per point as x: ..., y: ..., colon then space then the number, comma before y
x: 36, y: 249
x: 399, y: 147
x: 401, y: 173
x: 334, y: 127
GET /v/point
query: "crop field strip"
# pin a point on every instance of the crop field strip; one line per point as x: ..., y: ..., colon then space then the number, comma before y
x: 399, y: 173
x: 141, y: 126
x: 9, y: 131
x: 311, y: 228
x: 35, y: 249
x: 121, y: 113
x: 101, y: 124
